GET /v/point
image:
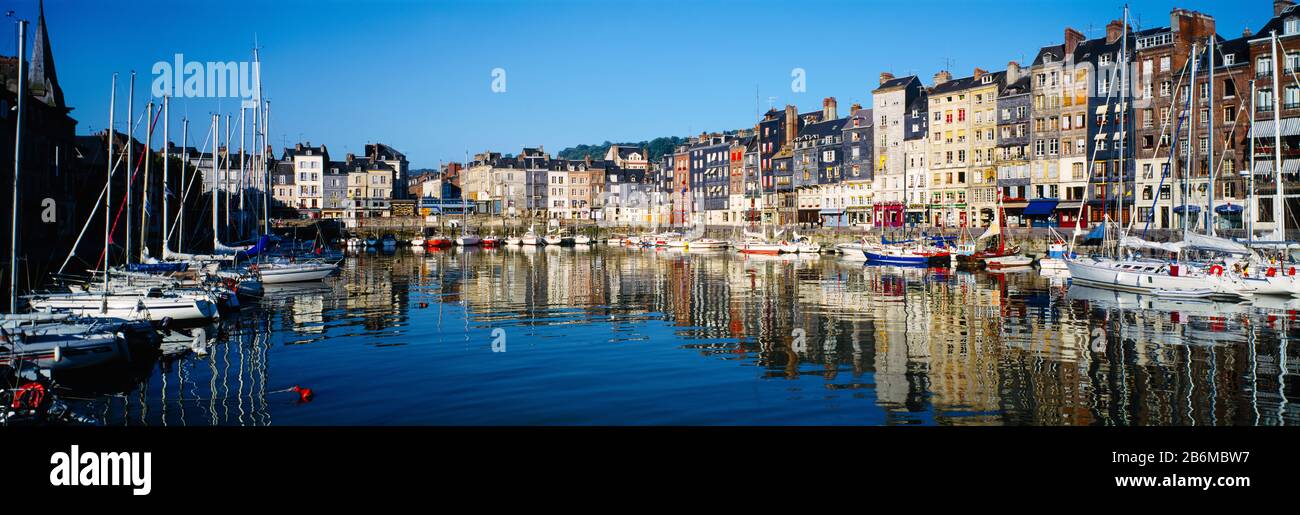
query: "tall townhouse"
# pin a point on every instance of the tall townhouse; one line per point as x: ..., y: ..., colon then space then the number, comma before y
x: 1162, y: 71
x: 284, y: 191
x: 736, y: 201
x: 582, y: 193
x: 1048, y: 77
x: 984, y: 173
x: 536, y: 165
x: 476, y: 179
x: 1224, y: 119
x: 507, y: 183
x: 557, y: 189
x: 853, y: 194
x: 713, y: 174
x: 1109, y: 149
x: 830, y: 173
x: 335, y: 197
x: 808, y: 161
x: 916, y: 148
x: 309, y: 170
x: 1071, y: 174
x: 1012, y: 158
x: 964, y: 180
x: 817, y: 163
x: 889, y: 107
x: 753, y: 180
x: 381, y: 153
x: 1276, y: 123
x: 678, y: 195
x: 779, y: 130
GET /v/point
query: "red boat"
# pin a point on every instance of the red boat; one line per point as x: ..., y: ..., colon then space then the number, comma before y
x: 438, y: 242
x: 490, y: 241
x: 976, y: 259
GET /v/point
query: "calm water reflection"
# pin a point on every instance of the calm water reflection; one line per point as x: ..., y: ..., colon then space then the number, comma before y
x: 631, y: 336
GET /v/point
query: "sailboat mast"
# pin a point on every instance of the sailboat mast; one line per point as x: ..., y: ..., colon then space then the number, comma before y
x: 166, y: 203
x: 1187, y: 166
x: 1209, y: 212
x: 108, y: 185
x: 1251, y: 213
x: 243, y: 172
x: 216, y: 140
x: 225, y: 174
x: 18, y: 159
x: 130, y: 163
x: 266, y: 202
x: 1123, y: 120
x: 185, y: 167
x: 144, y: 192
x: 1279, y: 198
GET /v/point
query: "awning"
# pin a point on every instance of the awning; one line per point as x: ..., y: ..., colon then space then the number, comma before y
x: 1290, y: 127
x: 1068, y: 205
x: 831, y: 212
x: 1228, y: 209
x: 1041, y: 207
x: 1192, y: 209
x: 1265, y: 166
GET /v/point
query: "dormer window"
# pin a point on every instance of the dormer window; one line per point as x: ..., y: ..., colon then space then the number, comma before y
x: 1291, y: 26
x: 987, y: 79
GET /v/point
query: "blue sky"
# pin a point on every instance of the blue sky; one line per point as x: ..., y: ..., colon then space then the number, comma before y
x: 418, y: 74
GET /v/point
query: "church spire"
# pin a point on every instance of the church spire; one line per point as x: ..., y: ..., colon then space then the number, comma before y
x: 44, y: 81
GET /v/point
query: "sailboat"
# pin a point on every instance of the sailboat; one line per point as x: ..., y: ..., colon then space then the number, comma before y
x: 466, y: 239
x: 1004, y: 259
x: 531, y: 238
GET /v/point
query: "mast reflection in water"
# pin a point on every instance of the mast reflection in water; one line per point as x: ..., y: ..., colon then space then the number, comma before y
x: 633, y: 336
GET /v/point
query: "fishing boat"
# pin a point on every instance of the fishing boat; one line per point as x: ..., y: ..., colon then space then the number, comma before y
x: 805, y: 245
x: 1057, y: 254
x: 553, y: 239
x: 906, y: 253
x: 490, y: 241
x: 388, y: 242
x: 372, y: 242
x: 582, y: 239
x: 417, y: 241
x: 758, y: 246
x: 1009, y: 262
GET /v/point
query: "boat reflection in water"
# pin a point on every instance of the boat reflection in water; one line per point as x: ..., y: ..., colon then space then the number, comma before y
x: 629, y: 335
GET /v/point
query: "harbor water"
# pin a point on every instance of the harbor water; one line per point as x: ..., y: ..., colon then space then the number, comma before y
x: 631, y: 336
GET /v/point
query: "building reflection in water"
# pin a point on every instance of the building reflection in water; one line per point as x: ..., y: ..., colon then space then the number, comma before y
x: 912, y: 346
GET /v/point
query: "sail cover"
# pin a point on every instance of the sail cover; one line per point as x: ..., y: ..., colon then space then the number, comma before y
x: 1133, y: 242
x: 1212, y: 243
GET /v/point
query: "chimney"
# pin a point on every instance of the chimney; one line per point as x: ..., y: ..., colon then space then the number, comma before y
x: 791, y: 124
x: 1281, y: 5
x: 1245, y: 33
x: 1072, y: 40
x: 942, y: 77
x: 1013, y: 72
x: 1113, y: 31
x: 297, y: 146
x: 350, y: 157
x: 828, y: 109
x: 979, y: 72
x: 855, y: 108
x: 885, y: 77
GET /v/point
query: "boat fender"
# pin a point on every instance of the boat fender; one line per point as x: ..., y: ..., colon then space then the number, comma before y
x: 304, y: 394
x: 29, y: 396
x: 1290, y: 271
x: 1216, y: 270
x: 1271, y: 272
